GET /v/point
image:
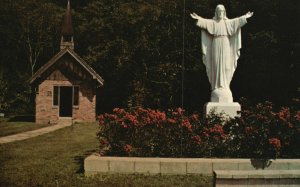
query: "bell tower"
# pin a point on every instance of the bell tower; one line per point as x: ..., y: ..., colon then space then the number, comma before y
x: 67, y: 30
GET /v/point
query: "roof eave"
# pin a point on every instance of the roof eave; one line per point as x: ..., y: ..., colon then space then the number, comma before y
x: 38, y: 74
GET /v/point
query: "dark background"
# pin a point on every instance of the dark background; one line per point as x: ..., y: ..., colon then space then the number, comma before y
x: 137, y: 48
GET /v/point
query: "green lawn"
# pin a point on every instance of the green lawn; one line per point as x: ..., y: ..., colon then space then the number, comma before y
x: 56, y: 159
x: 13, y: 127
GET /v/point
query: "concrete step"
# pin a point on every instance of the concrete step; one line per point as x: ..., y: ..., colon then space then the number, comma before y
x: 65, y: 121
x: 268, y: 178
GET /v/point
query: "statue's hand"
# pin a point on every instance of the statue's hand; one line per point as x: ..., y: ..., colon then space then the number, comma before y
x: 249, y: 14
x: 195, y: 16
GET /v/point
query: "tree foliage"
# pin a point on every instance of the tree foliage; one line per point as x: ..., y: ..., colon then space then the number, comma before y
x: 149, y: 52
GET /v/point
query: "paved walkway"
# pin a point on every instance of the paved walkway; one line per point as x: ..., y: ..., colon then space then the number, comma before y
x: 31, y: 134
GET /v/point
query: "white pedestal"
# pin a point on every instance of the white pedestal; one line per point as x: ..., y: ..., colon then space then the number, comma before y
x: 229, y: 109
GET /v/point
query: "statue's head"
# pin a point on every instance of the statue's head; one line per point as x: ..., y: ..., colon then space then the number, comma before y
x: 220, y: 12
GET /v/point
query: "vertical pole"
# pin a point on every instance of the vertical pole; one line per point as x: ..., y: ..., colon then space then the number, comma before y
x: 182, y: 73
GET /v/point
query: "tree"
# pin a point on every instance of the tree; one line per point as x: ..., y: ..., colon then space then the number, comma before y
x: 137, y: 47
x: 40, y: 24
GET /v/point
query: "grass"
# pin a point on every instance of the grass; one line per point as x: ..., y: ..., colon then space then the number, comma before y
x: 56, y: 159
x: 8, y: 127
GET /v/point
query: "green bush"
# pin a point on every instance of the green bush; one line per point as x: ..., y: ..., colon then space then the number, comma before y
x: 258, y: 133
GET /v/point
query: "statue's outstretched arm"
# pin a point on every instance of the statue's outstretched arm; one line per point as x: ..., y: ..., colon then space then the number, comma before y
x: 249, y: 14
x: 195, y: 16
x: 201, y: 22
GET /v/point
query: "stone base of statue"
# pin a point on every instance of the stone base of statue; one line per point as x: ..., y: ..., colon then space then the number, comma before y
x: 228, y: 109
x: 222, y: 102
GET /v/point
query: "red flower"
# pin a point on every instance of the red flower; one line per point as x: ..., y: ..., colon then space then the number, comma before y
x: 276, y: 143
x: 161, y: 116
x: 140, y: 110
x: 124, y: 125
x: 261, y: 117
x: 194, y: 117
x: 127, y: 148
x: 145, y: 120
x: 216, y: 132
x: 119, y: 111
x: 177, y: 113
x: 172, y: 121
x: 180, y: 111
x: 217, y: 129
x: 216, y: 138
x: 155, y: 117
x: 103, y: 142
x: 186, y: 123
x: 248, y: 130
x: 197, y: 139
x: 131, y: 119
x: 298, y: 116
x: 205, y: 134
x: 284, y: 114
x: 101, y: 120
x: 111, y: 117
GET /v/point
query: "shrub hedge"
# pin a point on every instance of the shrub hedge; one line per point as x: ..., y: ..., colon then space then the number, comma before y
x: 260, y: 132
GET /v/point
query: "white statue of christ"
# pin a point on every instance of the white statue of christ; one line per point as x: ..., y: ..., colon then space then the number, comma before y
x: 221, y: 44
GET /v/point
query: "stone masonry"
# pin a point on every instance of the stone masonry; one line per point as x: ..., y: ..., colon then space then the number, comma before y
x: 47, y: 113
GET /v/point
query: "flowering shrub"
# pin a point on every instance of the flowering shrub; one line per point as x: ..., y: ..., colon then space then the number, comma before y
x: 259, y: 133
x: 263, y: 133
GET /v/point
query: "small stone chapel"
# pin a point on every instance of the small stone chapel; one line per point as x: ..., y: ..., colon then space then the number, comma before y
x: 66, y: 85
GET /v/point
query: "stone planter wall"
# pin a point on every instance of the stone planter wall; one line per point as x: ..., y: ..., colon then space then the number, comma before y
x: 183, y: 166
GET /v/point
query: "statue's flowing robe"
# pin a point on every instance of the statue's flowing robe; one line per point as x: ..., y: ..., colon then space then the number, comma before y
x: 221, y: 44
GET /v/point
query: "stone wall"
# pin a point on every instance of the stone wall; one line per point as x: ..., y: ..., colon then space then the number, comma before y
x: 86, y: 110
x: 47, y: 113
x: 94, y: 164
